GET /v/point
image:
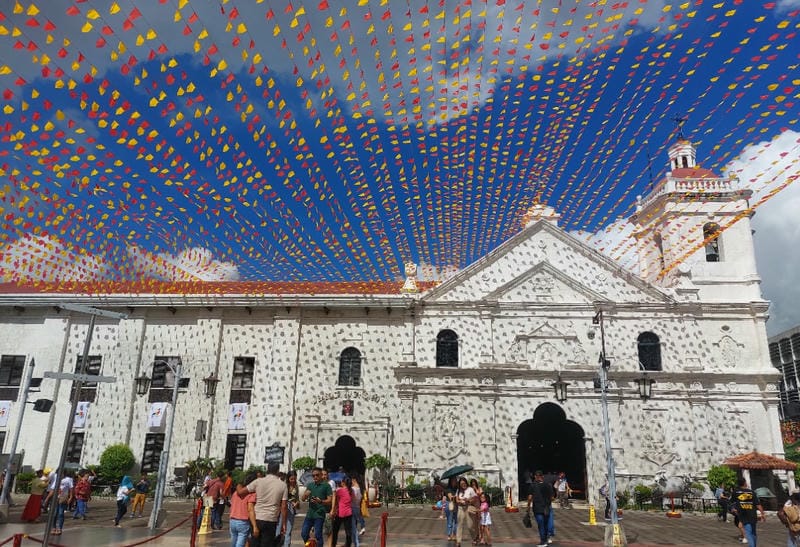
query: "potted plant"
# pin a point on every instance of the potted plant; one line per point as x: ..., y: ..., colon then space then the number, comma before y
x: 380, y: 464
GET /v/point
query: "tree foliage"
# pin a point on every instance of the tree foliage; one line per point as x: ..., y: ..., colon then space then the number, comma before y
x: 115, y: 462
x: 303, y: 463
x: 377, y: 461
x: 721, y: 475
x: 792, y: 453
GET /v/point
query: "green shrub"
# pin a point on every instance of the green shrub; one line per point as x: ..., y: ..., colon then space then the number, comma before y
x: 304, y: 463
x: 721, y: 475
x: 116, y: 461
x: 376, y: 461
x: 239, y: 475
x: 196, y: 470
x: 642, y: 493
x: 622, y: 499
x: 23, y: 482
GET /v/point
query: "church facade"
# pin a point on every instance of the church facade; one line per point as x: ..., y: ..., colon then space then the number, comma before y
x: 458, y: 373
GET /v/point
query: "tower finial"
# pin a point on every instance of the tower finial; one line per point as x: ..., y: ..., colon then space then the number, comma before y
x: 679, y: 121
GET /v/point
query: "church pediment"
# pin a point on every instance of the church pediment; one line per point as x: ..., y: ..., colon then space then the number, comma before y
x: 545, y: 331
x: 544, y: 283
x: 543, y: 263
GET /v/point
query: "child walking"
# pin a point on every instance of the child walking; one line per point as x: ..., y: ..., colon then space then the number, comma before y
x: 485, y: 536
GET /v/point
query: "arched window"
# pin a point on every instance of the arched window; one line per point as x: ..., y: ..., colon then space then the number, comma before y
x: 446, y: 349
x: 649, y: 347
x: 711, y: 233
x: 350, y: 367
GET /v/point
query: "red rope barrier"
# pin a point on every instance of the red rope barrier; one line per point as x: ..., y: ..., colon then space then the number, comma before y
x: 147, y: 540
x: 165, y: 532
x: 37, y: 540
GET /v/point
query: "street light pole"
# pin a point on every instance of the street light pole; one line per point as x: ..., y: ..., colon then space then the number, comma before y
x: 13, y: 452
x: 163, y: 462
x: 616, y: 537
x: 77, y: 385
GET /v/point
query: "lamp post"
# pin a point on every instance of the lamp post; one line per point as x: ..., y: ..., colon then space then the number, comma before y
x: 142, y: 386
x: 143, y: 383
x: 616, y: 537
x: 9, y: 464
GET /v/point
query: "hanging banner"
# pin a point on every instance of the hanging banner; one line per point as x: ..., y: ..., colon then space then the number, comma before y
x: 157, y: 413
x: 5, y: 410
x: 237, y: 416
x: 81, y: 413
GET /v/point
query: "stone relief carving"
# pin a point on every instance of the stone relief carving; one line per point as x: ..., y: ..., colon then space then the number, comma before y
x: 449, y: 436
x: 729, y: 352
x: 542, y: 286
x: 654, y: 439
x: 545, y: 354
x: 516, y: 352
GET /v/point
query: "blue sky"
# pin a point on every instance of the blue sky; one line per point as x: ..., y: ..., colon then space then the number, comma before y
x: 327, y: 141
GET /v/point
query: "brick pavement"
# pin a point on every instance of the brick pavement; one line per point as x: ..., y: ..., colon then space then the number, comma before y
x: 416, y: 526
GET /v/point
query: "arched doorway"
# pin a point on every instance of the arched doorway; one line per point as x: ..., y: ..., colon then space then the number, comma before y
x: 551, y: 443
x: 345, y: 456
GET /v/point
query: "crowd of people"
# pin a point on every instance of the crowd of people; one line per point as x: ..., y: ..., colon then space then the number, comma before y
x: 263, y: 508
x: 70, y: 494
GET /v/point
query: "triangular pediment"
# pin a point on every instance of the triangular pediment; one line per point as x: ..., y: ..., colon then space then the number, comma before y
x: 543, y: 261
x: 545, y: 331
x: 544, y: 283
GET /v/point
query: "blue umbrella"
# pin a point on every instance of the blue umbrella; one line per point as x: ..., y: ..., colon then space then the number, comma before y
x: 337, y: 476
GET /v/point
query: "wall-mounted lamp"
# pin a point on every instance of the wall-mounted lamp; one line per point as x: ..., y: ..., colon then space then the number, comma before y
x: 560, y: 389
x: 210, y: 383
x: 645, y: 386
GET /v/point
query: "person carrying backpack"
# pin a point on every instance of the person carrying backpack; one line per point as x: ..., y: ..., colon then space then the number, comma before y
x: 789, y: 515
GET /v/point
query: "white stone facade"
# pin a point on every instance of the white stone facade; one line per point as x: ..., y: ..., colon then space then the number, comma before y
x: 522, y: 316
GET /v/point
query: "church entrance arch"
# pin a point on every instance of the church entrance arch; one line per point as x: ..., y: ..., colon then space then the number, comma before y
x: 345, y: 456
x: 551, y: 443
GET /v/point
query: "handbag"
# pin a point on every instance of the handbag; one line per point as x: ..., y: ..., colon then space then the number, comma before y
x: 526, y: 520
x: 451, y: 506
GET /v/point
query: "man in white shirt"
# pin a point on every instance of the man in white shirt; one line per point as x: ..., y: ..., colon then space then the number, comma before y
x: 271, y: 496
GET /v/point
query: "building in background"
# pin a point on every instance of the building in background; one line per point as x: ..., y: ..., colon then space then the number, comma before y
x: 458, y: 373
x: 784, y: 352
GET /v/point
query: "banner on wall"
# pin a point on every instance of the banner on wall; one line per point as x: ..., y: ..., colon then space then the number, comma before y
x: 157, y: 413
x: 81, y: 413
x: 5, y: 410
x: 237, y: 416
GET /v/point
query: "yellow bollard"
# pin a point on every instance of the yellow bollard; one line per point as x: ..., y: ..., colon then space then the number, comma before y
x: 205, y: 524
x: 592, y: 516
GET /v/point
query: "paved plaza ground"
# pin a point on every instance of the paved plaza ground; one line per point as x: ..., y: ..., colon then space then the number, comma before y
x: 413, y: 526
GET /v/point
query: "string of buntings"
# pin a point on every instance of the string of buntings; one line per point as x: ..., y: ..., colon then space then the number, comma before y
x: 316, y: 141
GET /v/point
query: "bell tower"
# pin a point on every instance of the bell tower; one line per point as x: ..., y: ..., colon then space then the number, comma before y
x: 696, y: 223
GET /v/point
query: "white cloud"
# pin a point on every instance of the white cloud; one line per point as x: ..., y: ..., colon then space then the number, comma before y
x: 195, y: 264
x: 773, y: 168
x: 615, y: 241
x: 47, y: 259
x: 786, y: 5
x: 35, y: 258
